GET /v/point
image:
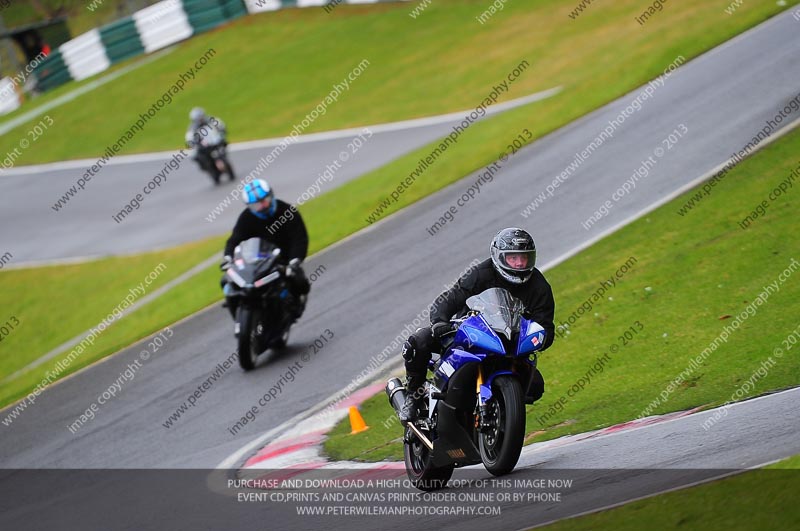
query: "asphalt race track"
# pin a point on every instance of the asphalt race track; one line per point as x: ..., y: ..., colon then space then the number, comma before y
x: 85, y: 226
x: 378, y: 280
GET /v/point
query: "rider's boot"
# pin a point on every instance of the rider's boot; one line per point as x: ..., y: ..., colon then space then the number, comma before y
x: 415, y: 392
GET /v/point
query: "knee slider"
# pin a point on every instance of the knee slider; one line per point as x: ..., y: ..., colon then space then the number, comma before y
x: 423, y: 339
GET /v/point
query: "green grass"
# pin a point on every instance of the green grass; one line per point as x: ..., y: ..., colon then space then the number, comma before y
x: 403, y: 81
x: 77, y: 297
x: 755, y: 500
x: 691, y: 272
x: 443, y: 61
x: 31, y: 104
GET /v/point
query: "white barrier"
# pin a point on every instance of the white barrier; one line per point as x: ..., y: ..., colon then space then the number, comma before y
x: 162, y: 24
x: 9, y: 99
x: 85, y: 55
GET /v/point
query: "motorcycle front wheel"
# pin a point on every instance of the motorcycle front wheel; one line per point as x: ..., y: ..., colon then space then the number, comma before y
x: 283, y: 340
x: 501, y: 445
x: 229, y: 169
x: 248, y: 338
x: 215, y: 174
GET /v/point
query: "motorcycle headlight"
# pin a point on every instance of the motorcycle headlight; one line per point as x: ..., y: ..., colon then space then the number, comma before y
x: 267, y: 279
x: 236, y: 277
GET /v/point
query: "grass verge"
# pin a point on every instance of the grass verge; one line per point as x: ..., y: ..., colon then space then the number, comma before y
x: 79, y: 296
x: 759, y: 499
x: 692, y: 277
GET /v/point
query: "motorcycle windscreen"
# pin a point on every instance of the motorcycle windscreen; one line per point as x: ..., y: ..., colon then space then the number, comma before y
x: 499, y: 308
x: 253, y: 250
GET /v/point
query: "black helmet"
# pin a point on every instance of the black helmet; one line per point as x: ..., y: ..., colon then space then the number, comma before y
x: 513, y: 255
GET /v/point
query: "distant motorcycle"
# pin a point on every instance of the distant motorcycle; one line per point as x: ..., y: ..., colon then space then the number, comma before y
x: 212, y: 152
x: 259, y: 290
x: 475, y: 403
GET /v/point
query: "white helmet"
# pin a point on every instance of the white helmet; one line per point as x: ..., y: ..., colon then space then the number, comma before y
x: 197, y: 115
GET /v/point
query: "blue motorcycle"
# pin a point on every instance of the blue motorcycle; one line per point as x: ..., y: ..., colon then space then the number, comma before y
x: 475, y: 403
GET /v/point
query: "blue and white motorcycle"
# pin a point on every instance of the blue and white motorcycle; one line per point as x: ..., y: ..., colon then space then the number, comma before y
x: 475, y: 403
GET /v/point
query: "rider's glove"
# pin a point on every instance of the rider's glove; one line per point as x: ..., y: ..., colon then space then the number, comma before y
x: 441, y: 329
x: 226, y: 264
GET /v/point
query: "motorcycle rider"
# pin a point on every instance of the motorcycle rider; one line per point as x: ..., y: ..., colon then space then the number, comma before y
x: 279, y: 223
x: 512, y: 267
x: 199, y: 121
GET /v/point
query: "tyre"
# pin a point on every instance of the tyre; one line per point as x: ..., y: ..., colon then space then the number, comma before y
x: 282, y: 341
x: 419, y: 466
x: 248, y: 341
x: 500, y: 447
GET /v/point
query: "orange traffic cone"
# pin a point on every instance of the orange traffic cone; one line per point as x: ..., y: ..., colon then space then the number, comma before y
x: 357, y: 421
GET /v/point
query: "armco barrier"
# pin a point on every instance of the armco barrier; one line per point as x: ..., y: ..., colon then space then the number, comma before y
x: 121, y: 40
x: 208, y: 14
x: 85, y: 55
x: 162, y: 24
x: 9, y: 99
x: 259, y: 6
x: 52, y: 71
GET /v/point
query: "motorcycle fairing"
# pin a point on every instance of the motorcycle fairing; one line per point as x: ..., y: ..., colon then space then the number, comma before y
x: 457, y: 446
x: 474, y: 333
x: 531, y: 337
x: 250, y: 259
x: 454, y: 360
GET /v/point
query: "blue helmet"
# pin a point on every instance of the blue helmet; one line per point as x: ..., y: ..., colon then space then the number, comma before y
x: 255, y: 193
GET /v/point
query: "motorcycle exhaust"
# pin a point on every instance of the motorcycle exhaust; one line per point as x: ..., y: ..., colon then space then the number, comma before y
x: 420, y: 436
x: 396, y: 392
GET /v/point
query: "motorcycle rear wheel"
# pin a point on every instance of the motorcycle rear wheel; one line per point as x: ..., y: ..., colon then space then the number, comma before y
x: 420, y: 469
x: 229, y: 169
x: 500, y: 448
